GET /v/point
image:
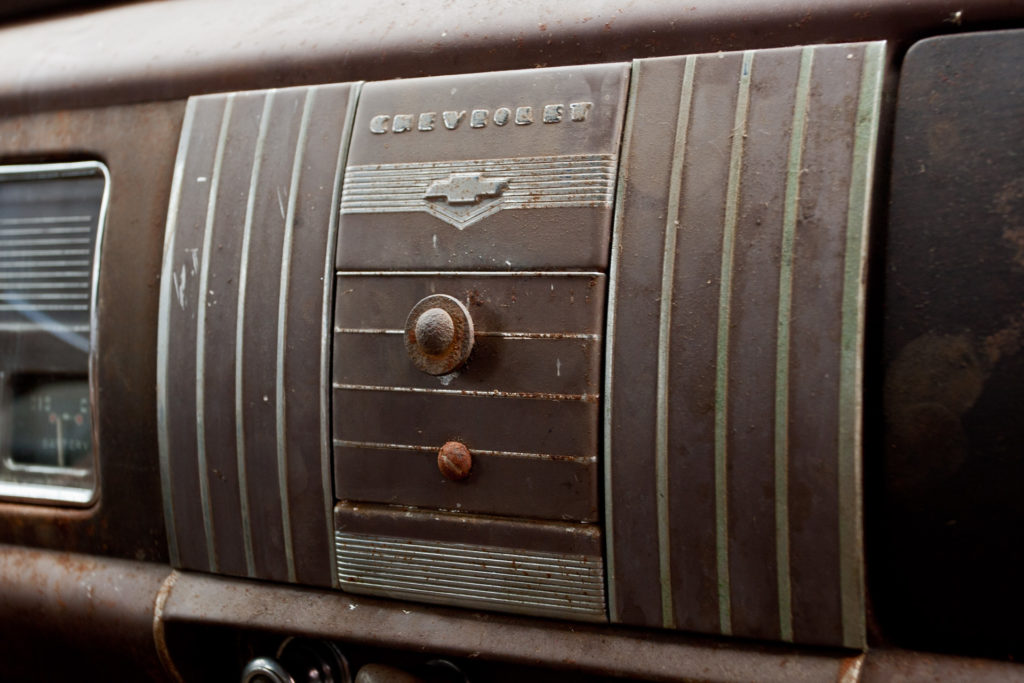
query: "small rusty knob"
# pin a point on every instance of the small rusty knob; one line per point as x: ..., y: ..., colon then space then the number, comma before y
x: 435, y: 330
x: 454, y: 461
x: 438, y: 334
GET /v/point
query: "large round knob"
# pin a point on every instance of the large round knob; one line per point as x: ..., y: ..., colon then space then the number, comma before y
x: 455, y: 461
x: 438, y: 334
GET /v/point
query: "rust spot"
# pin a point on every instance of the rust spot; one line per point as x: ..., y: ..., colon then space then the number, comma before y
x: 454, y: 461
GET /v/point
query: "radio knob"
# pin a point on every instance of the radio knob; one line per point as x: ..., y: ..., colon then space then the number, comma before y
x: 438, y: 334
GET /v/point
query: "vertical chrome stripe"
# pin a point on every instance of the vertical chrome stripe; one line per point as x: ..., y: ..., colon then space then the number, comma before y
x: 243, y: 278
x: 326, y: 338
x: 164, y: 332
x: 282, y: 332
x: 613, y: 273
x: 664, y: 335
x: 789, y: 217
x: 851, y: 577
x: 739, y: 132
x: 204, y: 283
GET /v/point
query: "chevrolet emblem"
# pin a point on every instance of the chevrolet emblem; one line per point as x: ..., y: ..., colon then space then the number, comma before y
x: 465, y: 188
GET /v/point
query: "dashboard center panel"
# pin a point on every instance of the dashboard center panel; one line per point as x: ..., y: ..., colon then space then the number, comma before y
x: 482, y: 203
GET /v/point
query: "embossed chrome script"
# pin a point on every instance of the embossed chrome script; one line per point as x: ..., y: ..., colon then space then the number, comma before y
x: 479, y: 118
x: 464, y: 192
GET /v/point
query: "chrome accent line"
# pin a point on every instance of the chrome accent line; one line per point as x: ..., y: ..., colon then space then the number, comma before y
x: 164, y: 331
x: 535, y: 395
x: 471, y: 575
x: 64, y: 230
x: 43, y: 252
x: 372, y: 445
x: 24, y: 491
x: 326, y: 338
x: 739, y: 132
x: 243, y: 279
x: 469, y: 273
x: 668, y: 264
x: 43, y: 219
x: 43, y: 307
x: 613, y: 275
x: 44, y: 241
x: 480, y: 333
x: 851, y: 570
x: 282, y: 332
x: 36, y: 264
x: 204, y: 283
x: 791, y: 209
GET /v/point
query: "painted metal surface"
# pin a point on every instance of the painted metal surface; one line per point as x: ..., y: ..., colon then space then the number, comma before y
x: 241, y: 324
x: 950, y: 475
x: 525, y: 403
x: 741, y: 457
x: 126, y: 525
x: 507, y: 171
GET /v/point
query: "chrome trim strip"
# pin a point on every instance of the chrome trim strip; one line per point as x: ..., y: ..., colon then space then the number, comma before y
x: 327, y: 339
x: 472, y: 575
x: 791, y: 209
x: 613, y: 275
x: 480, y: 333
x: 282, y: 332
x: 243, y: 278
x: 851, y: 541
x: 668, y: 267
x: 739, y: 132
x: 204, y: 283
x: 535, y: 395
x: 164, y: 331
x: 469, y: 273
x: 372, y: 445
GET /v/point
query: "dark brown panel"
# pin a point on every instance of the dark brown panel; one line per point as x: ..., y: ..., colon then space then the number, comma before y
x: 259, y: 361
x: 633, y: 563
x: 97, y: 611
x: 520, y: 425
x: 816, y: 345
x: 690, y: 385
x: 259, y: 411
x: 395, y: 522
x: 752, y: 347
x: 551, y: 303
x: 558, y: 488
x: 948, y: 463
x: 221, y: 307
x: 738, y: 296
x: 493, y: 171
x: 170, y: 54
x: 197, y: 601
x: 303, y: 372
x: 128, y: 526
x: 180, y: 294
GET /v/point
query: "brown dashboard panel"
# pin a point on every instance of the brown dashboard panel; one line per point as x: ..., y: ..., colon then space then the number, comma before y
x: 126, y: 521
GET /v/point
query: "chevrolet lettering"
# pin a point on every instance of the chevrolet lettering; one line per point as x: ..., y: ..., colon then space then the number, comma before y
x: 480, y: 118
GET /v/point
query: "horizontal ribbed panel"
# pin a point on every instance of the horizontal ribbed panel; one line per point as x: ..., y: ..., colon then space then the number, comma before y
x: 541, y: 583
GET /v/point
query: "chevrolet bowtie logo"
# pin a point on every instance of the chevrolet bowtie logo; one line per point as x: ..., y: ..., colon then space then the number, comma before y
x: 465, y: 188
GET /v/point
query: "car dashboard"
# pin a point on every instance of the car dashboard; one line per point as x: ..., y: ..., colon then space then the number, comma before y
x: 466, y: 342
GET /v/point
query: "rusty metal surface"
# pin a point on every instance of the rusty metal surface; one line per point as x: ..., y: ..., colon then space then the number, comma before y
x: 200, y: 600
x: 901, y: 666
x: 126, y: 520
x: 525, y: 403
x: 438, y: 334
x: 71, y: 615
x: 951, y: 476
x: 238, y: 45
x: 732, y: 489
x: 493, y: 171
